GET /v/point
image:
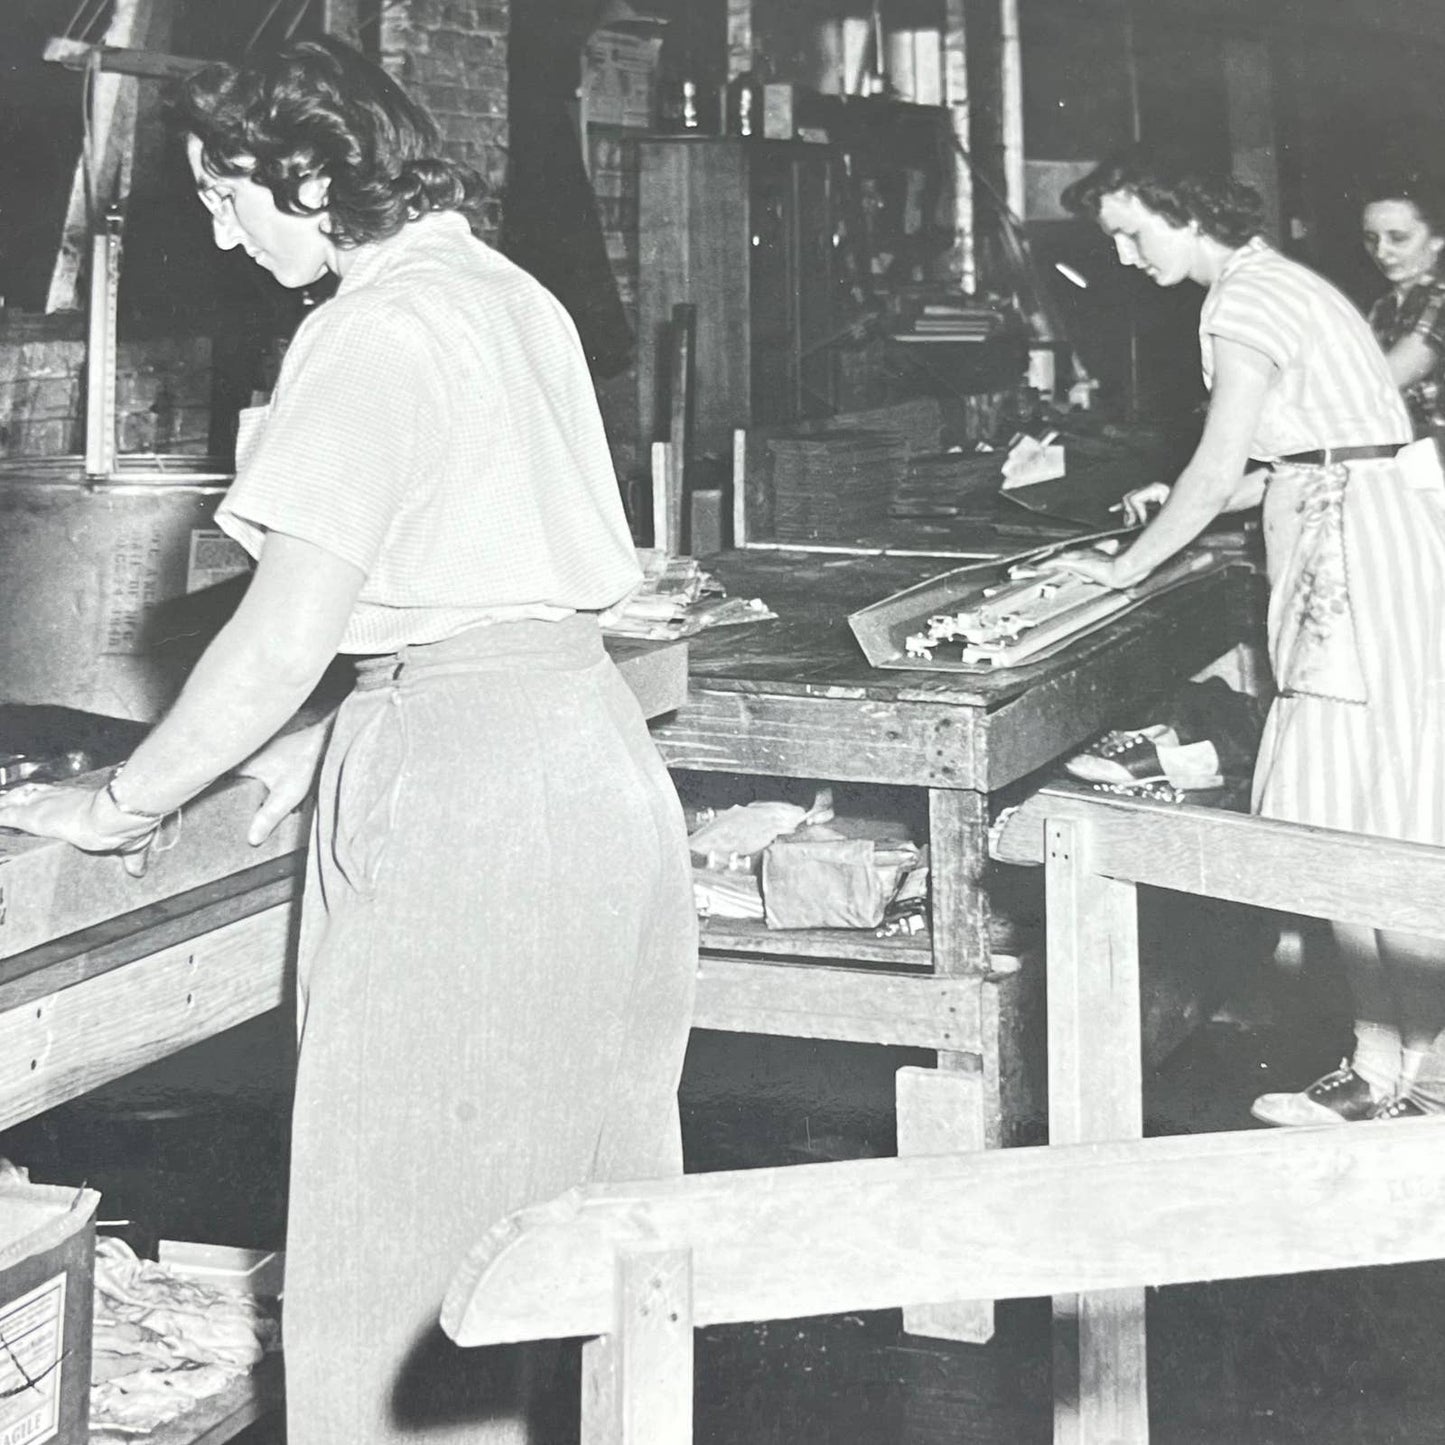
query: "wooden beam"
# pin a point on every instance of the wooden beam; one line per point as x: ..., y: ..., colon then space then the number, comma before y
x: 1348, y: 877
x: 1095, y: 1081
x: 918, y: 744
x: 121, y: 60
x: 637, y: 1379
x: 49, y: 890
x: 1010, y: 1223
x: 944, y: 1111
x: 62, y: 1045
x: 806, y: 1001
x: 115, y: 103
x: 116, y: 942
x: 958, y: 861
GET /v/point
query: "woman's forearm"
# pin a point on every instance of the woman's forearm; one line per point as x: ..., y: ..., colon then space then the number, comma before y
x: 252, y: 678
x: 1250, y: 491
x: 1211, y: 481
x: 234, y: 701
x: 1193, y: 504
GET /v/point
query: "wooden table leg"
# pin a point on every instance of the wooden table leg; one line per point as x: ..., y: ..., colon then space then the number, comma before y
x: 958, y: 859
x: 946, y: 1110
x: 1095, y: 1086
x: 637, y: 1383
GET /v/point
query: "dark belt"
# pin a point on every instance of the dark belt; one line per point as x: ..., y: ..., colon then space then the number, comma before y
x: 1341, y: 454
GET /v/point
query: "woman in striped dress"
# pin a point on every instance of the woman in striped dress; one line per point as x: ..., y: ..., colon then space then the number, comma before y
x: 1354, y: 525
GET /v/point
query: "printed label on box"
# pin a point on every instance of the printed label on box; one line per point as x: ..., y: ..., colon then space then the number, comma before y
x: 214, y: 558
x: 32, y: 1330
x: 132, y: 589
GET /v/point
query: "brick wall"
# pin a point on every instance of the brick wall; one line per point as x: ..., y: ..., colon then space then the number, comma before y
x: 452, y: 55
x: 163, y: 390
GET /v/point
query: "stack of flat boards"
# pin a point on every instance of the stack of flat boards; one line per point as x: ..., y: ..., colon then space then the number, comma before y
x: 834, y: 486
x: 955, y: 484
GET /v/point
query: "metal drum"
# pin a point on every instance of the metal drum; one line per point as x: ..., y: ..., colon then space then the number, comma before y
x: 109, y: 588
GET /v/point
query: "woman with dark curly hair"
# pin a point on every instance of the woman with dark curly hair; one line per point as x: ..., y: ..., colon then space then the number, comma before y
x: 498, y: 941
x: 1354, y: 525
x: 1403, y: 225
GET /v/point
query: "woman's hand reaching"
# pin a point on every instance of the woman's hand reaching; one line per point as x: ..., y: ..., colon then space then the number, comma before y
x: 1137, y: 505
x: 1095, y: 565
x: 287, y: 765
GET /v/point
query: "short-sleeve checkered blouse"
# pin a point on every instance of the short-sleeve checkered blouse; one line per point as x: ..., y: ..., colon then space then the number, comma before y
x: 435, y: 424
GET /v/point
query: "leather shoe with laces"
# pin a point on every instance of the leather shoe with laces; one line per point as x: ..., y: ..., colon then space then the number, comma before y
x: 1401, y: 1106
x: 1339, y: 1097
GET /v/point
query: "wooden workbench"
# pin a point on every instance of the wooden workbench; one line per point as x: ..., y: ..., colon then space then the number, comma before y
x: 101, y: 974
x: 794, y: 698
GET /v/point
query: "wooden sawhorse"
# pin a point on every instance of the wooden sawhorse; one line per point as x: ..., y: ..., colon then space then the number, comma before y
x: 1091, y: 1219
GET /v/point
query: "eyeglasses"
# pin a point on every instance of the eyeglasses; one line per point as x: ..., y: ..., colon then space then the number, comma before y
x: 221, y: 204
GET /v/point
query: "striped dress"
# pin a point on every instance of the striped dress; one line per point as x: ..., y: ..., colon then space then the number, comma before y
x: 1356, y: 557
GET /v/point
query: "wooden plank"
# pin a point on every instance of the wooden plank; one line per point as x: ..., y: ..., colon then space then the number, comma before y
x: 958, y: 860
x: 663, y: 478
x: 637, y: 1380
x: 681, y: 332
x: 898, y: 950
x: 1095, y: 1063
x: 119, y: 941
x: 1009, y: 1223
x: 1015, y: 1074
x: 225, y: 1415
x: 121, y: 60
x: 812, y: 1002
x: 1350, y: 877
x: 944, y: 1112
x: 846, y: 740
x: 49, y: 889
x: 739, y: 935
x: 60, y: 1046
x: 694, y: 248
x: 1095, y: 1084
x: 112, y: 106
x: 655, y: 671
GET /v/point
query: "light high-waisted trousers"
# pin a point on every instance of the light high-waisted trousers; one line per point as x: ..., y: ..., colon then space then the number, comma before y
x: 497, y: 960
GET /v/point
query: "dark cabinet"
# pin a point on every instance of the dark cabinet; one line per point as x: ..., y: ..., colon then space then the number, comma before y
x: 744, y: 230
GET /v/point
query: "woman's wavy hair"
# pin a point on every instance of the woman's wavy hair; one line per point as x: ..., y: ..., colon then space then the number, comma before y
x: 1423, y: 192
x: 318, y: 107
x: 1175, y: 188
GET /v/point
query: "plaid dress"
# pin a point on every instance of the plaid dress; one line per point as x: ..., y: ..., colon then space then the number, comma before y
x: 1419, y: 311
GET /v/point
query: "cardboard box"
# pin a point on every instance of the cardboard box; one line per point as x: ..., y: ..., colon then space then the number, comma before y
x: 47, y: 1279
x: 111, y: 590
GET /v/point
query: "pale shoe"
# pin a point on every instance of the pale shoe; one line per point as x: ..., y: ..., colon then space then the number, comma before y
x: 1340, y: 1097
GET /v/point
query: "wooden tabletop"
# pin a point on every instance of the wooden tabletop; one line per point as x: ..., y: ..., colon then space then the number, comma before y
x: 808, y: 649
x: 795, y: 696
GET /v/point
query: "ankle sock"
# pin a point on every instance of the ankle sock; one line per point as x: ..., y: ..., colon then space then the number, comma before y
x: 1377, y: 1057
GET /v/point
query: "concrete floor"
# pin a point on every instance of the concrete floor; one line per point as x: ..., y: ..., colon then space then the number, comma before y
x: 196, y: 1148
